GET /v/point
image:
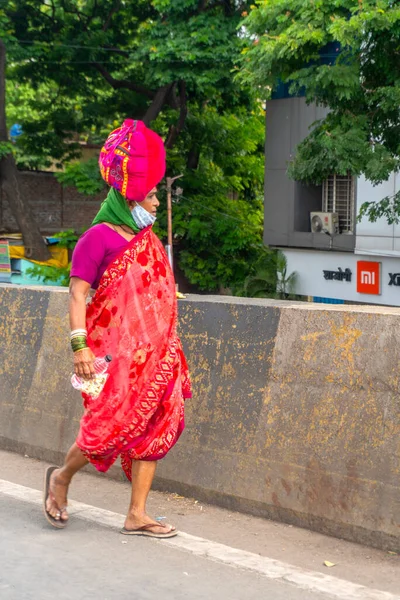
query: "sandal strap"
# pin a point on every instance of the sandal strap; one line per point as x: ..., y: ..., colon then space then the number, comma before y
x: 52, y: 497
x: 151, y: 526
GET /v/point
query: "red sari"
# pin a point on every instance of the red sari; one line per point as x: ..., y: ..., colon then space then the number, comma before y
x: 139, y: 415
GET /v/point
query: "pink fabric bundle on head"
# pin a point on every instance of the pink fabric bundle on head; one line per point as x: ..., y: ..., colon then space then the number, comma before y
x: 132, y: 160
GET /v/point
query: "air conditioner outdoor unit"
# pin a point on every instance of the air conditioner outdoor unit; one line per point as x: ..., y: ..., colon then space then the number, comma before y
x: 322, y: 222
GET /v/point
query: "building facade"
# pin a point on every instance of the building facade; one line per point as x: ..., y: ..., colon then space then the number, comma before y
x: 336, y: 259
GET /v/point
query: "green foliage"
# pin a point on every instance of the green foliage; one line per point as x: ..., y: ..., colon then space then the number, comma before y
x: 285, y: 282
x: 85, y: 176
x: 76, y: 70
x: 388, y: 207
x: 46, y: 120
x: 218, y: 219
x: 270, y: 278
x: 262, y: 282
x: 6, y: 30
x: 67, y: 239
x: 50, y: 274
x: 342, y: 55
x: 5, y: 149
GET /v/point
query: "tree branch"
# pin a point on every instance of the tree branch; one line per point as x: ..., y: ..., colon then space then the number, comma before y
x: 173, y: 99
x: 116, y: 50
x: 193, y: 158
x: 157, y: 104
x: 52, y: 18
x: 71, y: 12
x: 118, y: 84
x: 9, y: 180
x: 83, y: 19
x: 111, y: 14
x: 175, y: 130
x: 53, y: 11
x: 3, y: 125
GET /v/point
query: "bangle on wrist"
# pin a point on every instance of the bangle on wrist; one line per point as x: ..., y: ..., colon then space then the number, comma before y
x: 78, y: 343
x: 80, y: 349
x: 78, y: 332
x: 78, y: 337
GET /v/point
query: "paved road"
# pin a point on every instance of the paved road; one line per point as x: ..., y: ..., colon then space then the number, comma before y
x: 90, y: 559
x: 90, y: 562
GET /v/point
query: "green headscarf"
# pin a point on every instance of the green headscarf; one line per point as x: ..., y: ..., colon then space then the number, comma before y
x: 114, y: 209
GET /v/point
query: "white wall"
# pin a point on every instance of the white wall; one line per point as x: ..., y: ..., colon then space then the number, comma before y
x: 310, y: 264
x: 373, y: 238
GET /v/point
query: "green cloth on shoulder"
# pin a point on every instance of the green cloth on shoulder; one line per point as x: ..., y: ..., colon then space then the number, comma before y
x: 115, y: 210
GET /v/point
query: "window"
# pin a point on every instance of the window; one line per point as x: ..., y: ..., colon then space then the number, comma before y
x: 338, y: 197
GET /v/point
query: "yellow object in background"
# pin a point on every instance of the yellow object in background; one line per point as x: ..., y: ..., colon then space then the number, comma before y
x: 59, y: 256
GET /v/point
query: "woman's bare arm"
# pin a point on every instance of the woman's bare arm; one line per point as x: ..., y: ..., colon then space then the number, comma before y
x: 78, y: 292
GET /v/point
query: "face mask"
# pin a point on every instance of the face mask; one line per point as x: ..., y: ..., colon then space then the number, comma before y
x: 141, y: 217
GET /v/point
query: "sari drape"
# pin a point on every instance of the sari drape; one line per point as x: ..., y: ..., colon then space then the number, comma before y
x: 133, y: 317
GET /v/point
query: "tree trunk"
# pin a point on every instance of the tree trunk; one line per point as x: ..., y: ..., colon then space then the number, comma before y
x: 175, y: 130
x: 193, y: 158
x: 35, y: 246
x: 158, y: 102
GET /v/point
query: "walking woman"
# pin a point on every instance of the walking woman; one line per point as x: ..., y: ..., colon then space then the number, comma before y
x: 139, y: 414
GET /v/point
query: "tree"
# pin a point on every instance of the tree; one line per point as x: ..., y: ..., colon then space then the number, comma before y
x: 344, y: 55
x: 271, y: 279
x: 218, y: 216
x: 218, y: 223
x: 33, y: 241
x: 170, y: 64
x: 166, y: 55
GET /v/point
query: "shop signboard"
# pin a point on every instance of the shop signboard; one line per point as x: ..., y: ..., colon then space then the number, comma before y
x: 369, y: 277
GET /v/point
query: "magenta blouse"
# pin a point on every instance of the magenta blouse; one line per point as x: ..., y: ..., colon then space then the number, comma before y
x: 96, y: 249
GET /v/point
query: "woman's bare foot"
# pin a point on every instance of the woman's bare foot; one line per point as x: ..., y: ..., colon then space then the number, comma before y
x: 57, y: 502
x: 136, y: 521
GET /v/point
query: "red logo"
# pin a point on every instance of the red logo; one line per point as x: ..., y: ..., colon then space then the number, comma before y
x: 369, y: 277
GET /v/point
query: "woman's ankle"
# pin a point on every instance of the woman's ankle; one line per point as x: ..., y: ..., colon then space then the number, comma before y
x: 137, y: 512
x: 63, y: 477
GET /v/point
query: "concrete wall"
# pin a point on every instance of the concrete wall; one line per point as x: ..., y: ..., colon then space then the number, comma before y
x: 295, y: 412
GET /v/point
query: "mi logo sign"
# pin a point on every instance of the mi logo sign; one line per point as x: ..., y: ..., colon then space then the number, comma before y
x: 369, y: 277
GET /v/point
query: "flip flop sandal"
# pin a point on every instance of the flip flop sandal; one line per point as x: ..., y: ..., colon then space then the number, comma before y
x: 57, y: 523
x: 145, y: 530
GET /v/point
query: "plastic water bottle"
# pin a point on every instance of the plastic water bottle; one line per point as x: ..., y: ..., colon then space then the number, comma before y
x: 94, y: 386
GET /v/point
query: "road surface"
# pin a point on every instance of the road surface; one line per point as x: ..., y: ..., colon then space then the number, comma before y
x: 91, y: 560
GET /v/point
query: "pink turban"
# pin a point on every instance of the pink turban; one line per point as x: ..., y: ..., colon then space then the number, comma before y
x: 132, y: 160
